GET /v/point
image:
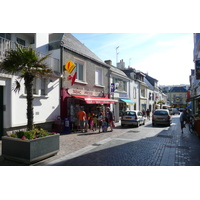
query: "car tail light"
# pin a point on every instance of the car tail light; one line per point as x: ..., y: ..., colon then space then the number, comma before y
x: 169, y: 117
x: 136, y: 117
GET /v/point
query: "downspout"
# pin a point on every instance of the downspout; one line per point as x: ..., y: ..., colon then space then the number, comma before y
x: 139, y: 95
x: 61, y: 79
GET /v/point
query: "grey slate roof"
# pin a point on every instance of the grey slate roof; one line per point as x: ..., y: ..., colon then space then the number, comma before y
x: 178, y: 89
x: 151, y: 79
x: 69, y: 42
x: 118, y: 71
x: 148, y: 83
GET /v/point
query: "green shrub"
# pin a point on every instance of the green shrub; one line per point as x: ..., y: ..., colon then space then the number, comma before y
x: 32, y: 134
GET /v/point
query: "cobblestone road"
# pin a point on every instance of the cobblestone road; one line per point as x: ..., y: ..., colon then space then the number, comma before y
x: 143, y: 146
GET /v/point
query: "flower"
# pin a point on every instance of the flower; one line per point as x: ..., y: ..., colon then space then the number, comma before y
x: 23, y: 138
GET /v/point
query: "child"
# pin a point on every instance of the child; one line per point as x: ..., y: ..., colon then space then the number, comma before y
x: 104, y: 125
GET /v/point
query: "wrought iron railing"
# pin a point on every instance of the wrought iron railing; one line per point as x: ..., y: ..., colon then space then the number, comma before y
x: 6, y: 44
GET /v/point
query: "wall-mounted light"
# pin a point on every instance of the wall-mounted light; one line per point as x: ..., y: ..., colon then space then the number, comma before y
x: 102, y: 93
x: 116, y: 85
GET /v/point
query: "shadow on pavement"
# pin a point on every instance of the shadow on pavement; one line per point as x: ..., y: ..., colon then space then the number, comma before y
x: 144, y: 152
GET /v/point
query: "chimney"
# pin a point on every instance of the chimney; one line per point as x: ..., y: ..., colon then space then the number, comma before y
x: 109, y: 62
x: 121, y: 65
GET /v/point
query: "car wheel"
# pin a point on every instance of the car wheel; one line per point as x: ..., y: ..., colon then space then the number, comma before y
x: 144, y: 122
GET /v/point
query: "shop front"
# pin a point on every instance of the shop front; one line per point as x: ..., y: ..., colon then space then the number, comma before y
x: 125, y: 104
x: 90, y: 101
x: 194, y: 107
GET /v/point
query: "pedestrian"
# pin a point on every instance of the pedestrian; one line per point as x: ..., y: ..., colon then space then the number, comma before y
x: 86, y: 122
x: 100, y: 118
x: 148, y: 114
x: 183, y: 118
x: 110, y: 118
x: 144, y: 113
x: 95, y: 122
x: 82, y: 117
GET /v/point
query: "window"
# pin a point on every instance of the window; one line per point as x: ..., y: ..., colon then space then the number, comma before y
x: 35, y: 86
x: 149, y: 95
x: 6, y: 35
x: 35, y: 90
x: 98, y: 76
x: 134, y: 93
x: 20, y: 41
x: 122, y: 84
x: 43, y: 86
x: 143, y: 92
x: 80, y: 70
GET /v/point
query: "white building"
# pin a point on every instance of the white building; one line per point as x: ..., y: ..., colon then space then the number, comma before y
x: 13, y: 105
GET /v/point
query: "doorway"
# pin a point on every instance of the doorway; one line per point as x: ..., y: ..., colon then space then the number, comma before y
x: 1, y: 111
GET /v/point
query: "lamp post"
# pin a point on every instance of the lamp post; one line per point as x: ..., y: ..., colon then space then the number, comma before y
x: 116, y: 55
x: 130, y: 62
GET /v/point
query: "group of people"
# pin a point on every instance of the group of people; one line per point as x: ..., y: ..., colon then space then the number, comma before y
x: 146, y: 113
x: 93, y: 121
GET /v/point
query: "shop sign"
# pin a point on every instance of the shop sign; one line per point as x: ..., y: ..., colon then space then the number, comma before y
x: 123, y: 95
x: 112, y: 88
x: 197, y: 69
x: 83, y: 92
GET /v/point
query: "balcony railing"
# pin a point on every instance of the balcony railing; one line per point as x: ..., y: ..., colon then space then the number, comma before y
x: 5, y: 45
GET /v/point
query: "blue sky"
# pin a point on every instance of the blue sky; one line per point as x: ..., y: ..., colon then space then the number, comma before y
x: 167, y: 57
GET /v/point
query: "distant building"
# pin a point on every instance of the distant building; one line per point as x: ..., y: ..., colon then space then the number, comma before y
x: 177, y: 97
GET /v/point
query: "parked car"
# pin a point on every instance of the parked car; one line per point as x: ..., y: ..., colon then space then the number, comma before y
x: 175, y: 111
x: 132, y: 117
x: 181, y: 109
x: 161, y: 116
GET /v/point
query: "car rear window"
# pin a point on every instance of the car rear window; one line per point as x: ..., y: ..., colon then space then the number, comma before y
x: 129, y: 113
x: 159, y: 112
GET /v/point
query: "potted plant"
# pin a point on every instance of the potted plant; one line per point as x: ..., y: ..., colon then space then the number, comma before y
x: 24, y: 62
x: 30, y: 146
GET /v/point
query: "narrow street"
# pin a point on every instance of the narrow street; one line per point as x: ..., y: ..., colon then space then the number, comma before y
x: 127, y: 146
x: 143, y: 146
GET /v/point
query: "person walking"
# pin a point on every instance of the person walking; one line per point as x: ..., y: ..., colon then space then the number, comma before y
x: 148, y: 114
x: 183, y: 118
x: 110, y: 118
x: 82, y: 117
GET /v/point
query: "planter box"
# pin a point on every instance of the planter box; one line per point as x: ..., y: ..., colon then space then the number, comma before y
x: 30, y: 151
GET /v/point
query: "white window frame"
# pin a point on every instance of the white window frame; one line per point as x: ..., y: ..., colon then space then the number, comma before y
x: 98, y: 80
x: 43, y: 83
x: 77, y: 63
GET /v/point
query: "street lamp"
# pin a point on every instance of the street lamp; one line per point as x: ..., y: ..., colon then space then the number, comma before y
x: 116, y: 55
x: 130, y: 61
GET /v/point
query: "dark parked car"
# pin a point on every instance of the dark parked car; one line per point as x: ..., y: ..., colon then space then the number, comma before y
x: 132, y: 117
x: 161, y: 116
x: 181, y: 109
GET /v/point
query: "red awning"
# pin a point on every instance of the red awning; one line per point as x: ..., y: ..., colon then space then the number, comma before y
x: 96, y: 100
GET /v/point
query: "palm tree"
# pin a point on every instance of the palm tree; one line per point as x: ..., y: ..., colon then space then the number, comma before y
x: 25, y: 62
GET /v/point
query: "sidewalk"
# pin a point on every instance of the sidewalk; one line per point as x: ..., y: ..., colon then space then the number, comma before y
x: 180, y: 150
x: 70, y: 143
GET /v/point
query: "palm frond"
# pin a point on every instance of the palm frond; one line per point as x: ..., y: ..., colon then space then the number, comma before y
x: 16, y: 86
